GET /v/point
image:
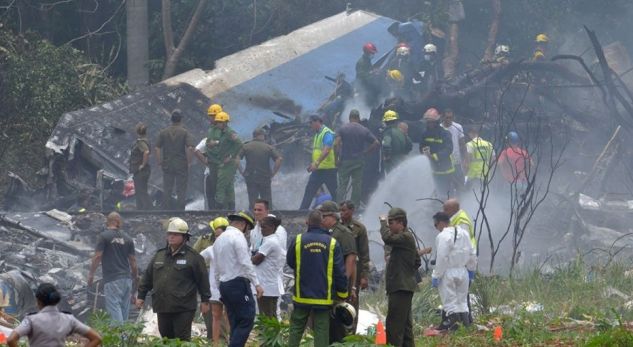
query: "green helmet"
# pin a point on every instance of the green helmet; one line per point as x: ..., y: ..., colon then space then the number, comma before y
x: 328, y: 207
x: 397, y: 212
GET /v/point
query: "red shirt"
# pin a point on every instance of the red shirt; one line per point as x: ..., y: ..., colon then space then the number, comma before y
x: 513, y: 162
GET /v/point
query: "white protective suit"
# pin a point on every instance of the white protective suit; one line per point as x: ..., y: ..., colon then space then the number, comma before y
x: 455, y: 257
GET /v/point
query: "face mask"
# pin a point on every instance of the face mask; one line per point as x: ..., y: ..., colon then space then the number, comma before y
x: 428, y: 57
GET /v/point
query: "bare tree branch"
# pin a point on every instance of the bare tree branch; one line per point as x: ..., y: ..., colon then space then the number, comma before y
x: 494, y: 29
x: 92, y: 33
x: 168, y: 34
x: 173, y: 58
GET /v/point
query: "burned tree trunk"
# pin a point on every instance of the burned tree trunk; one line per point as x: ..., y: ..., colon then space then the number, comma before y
x: 493, y: 31
x: 455, y: 15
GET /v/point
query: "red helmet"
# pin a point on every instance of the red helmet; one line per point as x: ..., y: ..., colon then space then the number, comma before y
x: 370, y: 48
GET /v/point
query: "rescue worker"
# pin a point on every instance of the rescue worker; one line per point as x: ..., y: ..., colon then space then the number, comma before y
x: 49, y: 327
x: 317, y: 261
x: 514, y: 161
x: 502, y: 55
x: 139, y: 167
x: 173, y: 276
x: 203, y: 245
x: 437, y: 146
x: 257, y: 174
x: 480, y: 156
x: 365, y: 75
x: 201, y: 153
x: 428, y: 72
x: 207, y: 240
x: 115, y: 252
x: 174, y: 148
x: 459, y: 146
x: 395, y: 143
x: 322, y: 169
x: 542, y: 43
x: 455, y: 257
x: 235, y: 273
x: 400, y: 276
x: 353, y: 142
x: 359, y: 231
x: 345, y: 237
x: 217, y: 320
x: 223, y: 147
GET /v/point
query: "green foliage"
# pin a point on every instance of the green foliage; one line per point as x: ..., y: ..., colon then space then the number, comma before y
x: 271, y: 332
x: 615, y: 337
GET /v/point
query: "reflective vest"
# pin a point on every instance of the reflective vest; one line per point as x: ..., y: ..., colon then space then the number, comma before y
x: 313, y: 292
x: 482, y: 152
x: 461, y: 218
x: 317, y: 147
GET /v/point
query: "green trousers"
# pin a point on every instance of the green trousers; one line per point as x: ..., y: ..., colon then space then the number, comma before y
x: 299, y: 319
x: 399, y: 323
x: 350, y: 170
x: 224, y: 189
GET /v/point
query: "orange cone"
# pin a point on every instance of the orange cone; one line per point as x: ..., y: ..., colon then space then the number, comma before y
x: 381, y: 337
x: 498, y: 333
x: 3, y: 339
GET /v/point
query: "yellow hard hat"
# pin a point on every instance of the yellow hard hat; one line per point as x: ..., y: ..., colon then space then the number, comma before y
x: 395, y: 75
x: 390, y: 116
x: 542, y: 38
x: 222, y: 117
x: 177, y: 225
x: 214, y: 109
x: 219, y: 222
x: 538, y: 54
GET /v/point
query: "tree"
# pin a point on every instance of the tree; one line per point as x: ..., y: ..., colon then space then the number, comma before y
x: 174, y: 53
x: 137, y: 43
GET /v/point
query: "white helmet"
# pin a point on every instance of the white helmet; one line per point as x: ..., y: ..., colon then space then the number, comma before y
x: 402, y: 50
x: 177, y: 225
x: 345, y: 314
x: 502, y: 49
x: 430, y: 48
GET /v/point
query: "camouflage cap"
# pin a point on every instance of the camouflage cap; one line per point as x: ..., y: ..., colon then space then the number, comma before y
x: 397, y: 212
x: 328, y: 207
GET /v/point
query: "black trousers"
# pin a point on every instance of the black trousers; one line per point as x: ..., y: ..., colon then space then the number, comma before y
x: 210, y: 183
x: 399, y: 323
x: 176, y: 324
x: 316, y: 180
x: 238, y: 300
x: 141, y: 182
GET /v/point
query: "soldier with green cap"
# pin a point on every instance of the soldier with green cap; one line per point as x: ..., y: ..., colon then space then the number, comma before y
x: 344, y: 236
x: 395, y: 143
x: 402, y: 265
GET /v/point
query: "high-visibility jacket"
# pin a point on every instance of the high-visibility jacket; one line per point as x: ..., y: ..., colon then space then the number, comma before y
x: 462, y: 218
x: 317, y: 261
x: 481, y: 151
x: 317, y: 148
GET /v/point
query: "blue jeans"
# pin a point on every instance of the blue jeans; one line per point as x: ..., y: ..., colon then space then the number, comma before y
x: 117, y: 298
x: 238, y: 300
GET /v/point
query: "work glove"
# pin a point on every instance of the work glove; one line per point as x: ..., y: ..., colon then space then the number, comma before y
x: 471, y: 275
x: 435, y: 282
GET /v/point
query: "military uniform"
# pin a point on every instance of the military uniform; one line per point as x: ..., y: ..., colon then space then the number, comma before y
x: 173, y: 142
x: 395, y: 147
x: 359, y: 231
x: 49, y: 327
x: 223, y: 146
x: 257, y: 173
x: 174, y: 280
x: 400, y: 274
x: 141, y: 175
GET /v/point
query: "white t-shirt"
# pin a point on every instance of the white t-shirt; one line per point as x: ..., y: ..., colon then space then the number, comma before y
x: 202, y: 147
x: 207, y: 254
x: 457, y: 133
x: 269, y: 269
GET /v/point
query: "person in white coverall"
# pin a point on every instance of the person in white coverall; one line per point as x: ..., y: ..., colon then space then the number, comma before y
x: 455, y: 258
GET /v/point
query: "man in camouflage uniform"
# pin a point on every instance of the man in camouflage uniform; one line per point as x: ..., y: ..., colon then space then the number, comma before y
x: 344, y: 236
x: 139, y: 167
x: 223, y: 147
x: 174, y: 148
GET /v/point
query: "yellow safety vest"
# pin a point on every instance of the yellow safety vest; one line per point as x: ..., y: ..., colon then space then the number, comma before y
x: 482, y: 152
x: 317, y: 147
x: 462, y: 218
x: 328, y: 300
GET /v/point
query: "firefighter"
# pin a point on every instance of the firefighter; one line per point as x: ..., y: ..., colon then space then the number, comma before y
x: 395, y: 143
x: 437, y: 146
x: 317, y: 261
x: 480, y: 154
